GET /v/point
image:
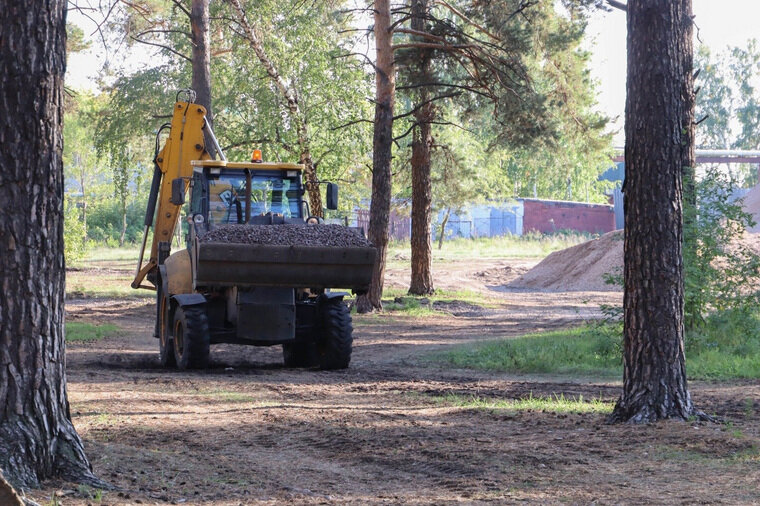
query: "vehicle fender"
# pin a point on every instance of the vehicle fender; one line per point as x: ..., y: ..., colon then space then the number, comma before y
x: 178, y: 273
x: 334, y: 295
x: 189, y: 299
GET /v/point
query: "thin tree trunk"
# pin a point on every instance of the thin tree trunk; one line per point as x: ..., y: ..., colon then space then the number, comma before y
x: 123, y: 223
x: 201, y: 81
x: 654, y: 373
x: 443, y: 227
x: 380, y: 206
x: 296, y: 116
x: 84, y: 208
x: 422, y: 187
x: 37, y: 438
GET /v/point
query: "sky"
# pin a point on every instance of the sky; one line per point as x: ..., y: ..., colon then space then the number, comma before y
x: 720, y: 23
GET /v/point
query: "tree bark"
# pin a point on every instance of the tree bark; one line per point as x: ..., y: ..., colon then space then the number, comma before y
x: 291, y: 99
x: 201, y: 81
x: 37, y: 438
x: 422, y: 186
x: 654, y: 373
x: 688, y: 154
x: 380, y: 206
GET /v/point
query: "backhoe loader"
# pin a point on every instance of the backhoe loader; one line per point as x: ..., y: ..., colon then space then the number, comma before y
x: 223, y: 291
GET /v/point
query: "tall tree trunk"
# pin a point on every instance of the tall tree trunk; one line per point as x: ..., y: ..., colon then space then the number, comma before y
x: 291, y: 99
x: 688, y: 154
x: 422, y: 186
x: 654, y: 373
x: 37, y: 438
x: 380, y: 206
x: 201, y: 81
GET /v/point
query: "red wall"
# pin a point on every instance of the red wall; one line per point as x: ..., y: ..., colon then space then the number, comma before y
x: 594, y: 218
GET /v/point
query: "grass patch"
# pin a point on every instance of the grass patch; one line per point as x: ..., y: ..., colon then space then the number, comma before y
x: 586, y: 350
x: 726, y: 347
x: 552, y: 404
x: 81, y: 332
x: 507, y: 246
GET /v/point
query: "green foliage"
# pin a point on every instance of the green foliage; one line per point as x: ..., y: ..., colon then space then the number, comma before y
x: 105, y: 221
x: 729, y: 103
x: 74, y: 246
x: 86, y: 332
x: 720, y: 272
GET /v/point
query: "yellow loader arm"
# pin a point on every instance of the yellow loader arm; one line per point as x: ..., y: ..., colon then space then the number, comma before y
x: 184, y: 144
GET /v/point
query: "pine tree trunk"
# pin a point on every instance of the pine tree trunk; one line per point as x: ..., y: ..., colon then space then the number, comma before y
x: 37, y: 438
x: 422, y: 248
x: 380, y: 206
x: 422, y: 187
x: 654, y: 374
x: 201, y: 81
x: 688, y: 154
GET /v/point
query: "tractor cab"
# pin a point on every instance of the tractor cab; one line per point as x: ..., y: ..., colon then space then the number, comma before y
x: 223, y: 193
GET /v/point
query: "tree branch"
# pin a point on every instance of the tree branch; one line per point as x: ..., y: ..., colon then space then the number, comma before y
x: 420, y: 105
x: 618, y: 5
x: 182, y: 7
x: 161, y: 46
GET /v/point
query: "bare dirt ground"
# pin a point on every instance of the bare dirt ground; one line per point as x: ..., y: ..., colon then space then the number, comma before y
x: 248, y: 431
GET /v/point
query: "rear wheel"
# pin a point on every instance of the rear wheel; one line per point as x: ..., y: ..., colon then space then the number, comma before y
x: 191, y: 337
x: 165, y: 342
x: 336, y: 339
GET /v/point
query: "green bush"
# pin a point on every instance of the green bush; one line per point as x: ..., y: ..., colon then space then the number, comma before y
x: 720, y: 272
x: 74, y: 247
x: 104, y: 221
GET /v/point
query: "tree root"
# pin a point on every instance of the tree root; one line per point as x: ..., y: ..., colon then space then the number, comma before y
x: 8, y: 495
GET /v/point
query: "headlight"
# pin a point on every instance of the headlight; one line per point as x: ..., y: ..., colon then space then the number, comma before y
x: 312, y: 220
x: 198, y: 218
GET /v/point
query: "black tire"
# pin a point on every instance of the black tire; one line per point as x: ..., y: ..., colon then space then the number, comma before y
x: 301, y: 354
x: 336, y: 339
x: 191, y: 337
x: 165, y: 341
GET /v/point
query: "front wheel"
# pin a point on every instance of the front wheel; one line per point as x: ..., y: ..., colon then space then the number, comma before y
x: 336, y: 339
x: 191, y: 337
x: 165, y: 342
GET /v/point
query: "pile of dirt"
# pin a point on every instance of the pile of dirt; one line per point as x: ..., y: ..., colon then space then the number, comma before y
x: 287, y: 235
x: 579, y: 268
x: 751, y: 205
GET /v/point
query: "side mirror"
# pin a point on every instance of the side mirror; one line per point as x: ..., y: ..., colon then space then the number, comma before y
x: 332, y: 196
x: 178, y: 192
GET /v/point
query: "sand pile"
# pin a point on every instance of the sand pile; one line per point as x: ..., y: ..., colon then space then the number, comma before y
x: 752, y: 206
x: 579, y: 268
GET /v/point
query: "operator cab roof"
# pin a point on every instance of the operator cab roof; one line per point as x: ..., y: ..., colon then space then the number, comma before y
x: 223, y: 164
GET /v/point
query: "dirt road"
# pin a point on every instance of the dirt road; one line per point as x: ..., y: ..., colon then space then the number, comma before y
x: 248, y: 431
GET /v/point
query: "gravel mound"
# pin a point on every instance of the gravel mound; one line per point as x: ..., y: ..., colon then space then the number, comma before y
x: 287, y: 235
x: 578, y: 268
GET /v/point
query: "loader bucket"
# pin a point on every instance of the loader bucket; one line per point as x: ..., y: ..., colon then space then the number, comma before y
x: 243, y: 265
